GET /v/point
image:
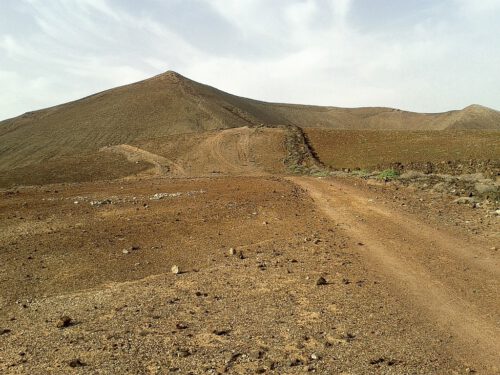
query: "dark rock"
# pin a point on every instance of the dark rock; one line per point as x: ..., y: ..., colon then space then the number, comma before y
x: 295, y: 362
x: 77, y: 362
x: 182, y: 353
x: 321, y: 281
x: 221, y: 332
x: 181, y: 326
x: 64, y: 322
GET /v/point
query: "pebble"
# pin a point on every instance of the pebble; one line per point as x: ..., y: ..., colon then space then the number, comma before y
x: 181, y: 326
x: 321, y: 281
x: 175, y: 270
x: 232, y: 251
x: 77, y: 362
x: 64, y: 322
x: 183, y: 353
x: 295, y: 362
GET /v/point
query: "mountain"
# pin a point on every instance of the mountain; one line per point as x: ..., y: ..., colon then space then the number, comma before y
x: 170, y: 104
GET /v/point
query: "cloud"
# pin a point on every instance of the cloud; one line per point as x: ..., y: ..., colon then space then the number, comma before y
x: 423, y: 56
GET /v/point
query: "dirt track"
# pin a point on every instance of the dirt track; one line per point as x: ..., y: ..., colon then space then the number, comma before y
x: 449, y: 279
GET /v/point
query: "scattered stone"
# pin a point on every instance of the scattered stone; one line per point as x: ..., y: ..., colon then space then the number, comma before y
x: 241, y: 255
x: 221, y: 332
x: 135, y: 247
x: 295, y: 362
x: 182, y: 353
x: 316, y: 241
x: 232, y: 251
x: 465, y: 200
x: 158, y: 196
x: 4, y: 331
x: 321, y: 281
x: 64, y: 322
x: 181, y: 326
x: 125, y: 251
x: 175, y: 270
x: 377, y: 361
x: 98, y: 203
x: 315, y: 356
x: 77, y: 362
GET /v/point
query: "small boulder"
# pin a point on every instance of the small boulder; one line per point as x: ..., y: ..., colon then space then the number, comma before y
x: 321, y: 281
x: 64, y: 322
x: 77, y: 362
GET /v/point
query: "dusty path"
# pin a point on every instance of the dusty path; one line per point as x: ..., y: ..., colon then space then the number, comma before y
x: 231, y: 152
x: 448, y: 279
x: 161, y: 164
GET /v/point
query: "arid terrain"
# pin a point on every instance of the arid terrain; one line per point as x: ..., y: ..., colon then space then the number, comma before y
x: 167, y: 227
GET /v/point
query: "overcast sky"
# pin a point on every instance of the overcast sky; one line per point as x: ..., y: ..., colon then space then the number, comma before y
x: 421, y: 55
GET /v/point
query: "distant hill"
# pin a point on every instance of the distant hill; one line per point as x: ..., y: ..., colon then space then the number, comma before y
x: 171, y: 104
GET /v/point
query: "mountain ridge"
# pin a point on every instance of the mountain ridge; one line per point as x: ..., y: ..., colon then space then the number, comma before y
x: 170, y: 103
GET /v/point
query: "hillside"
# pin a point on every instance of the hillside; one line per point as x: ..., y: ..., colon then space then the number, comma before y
x: 171, y: 104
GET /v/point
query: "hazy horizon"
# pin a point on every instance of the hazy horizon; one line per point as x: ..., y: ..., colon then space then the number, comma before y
x: 413, y: 55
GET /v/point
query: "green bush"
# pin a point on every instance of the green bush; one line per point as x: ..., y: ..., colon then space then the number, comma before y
x: 388, y: 174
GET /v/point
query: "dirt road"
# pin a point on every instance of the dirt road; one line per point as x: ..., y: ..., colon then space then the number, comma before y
x: 449, y: 279
x: 134, y: 154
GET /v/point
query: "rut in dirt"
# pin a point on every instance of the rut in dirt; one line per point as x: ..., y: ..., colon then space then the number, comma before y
x: 447, y: 278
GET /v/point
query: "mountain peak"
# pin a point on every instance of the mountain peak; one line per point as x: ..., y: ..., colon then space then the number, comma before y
x: 169, y: 75
x: 477, y: 108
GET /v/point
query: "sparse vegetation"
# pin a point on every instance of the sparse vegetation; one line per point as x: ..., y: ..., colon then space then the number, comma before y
x: 320, y: 173
x: 363, y: 173
x: 388, y: 174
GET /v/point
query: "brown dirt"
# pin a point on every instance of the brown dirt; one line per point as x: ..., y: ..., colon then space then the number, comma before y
x: 330, y: 275
x: 170, y: 104
x: 370, y: 149
x: 424, y: 263
x: 392, y: 305
x: 245, y: 150
x: 78, y: 168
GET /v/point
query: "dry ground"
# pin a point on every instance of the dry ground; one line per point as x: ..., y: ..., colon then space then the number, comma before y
x: 371, y: 148
x: 408, y: 291
x: 330, y: 276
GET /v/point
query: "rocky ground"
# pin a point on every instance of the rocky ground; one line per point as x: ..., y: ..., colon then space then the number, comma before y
x: 276, y: 275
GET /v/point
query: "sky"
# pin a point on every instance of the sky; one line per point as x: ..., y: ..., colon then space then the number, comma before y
x: 419, y: 55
